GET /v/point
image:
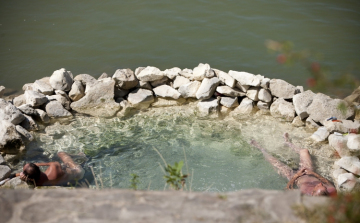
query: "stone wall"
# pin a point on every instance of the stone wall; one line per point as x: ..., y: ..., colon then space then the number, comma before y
x: 218, y: 93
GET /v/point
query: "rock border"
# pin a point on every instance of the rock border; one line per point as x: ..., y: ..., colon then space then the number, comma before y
x: 235, y: 93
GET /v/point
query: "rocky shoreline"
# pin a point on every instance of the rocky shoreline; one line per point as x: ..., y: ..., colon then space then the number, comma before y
x: 217, y: 93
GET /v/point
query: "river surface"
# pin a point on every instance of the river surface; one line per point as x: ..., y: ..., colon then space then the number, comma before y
x: 91, y: 36
x: 216, y: 152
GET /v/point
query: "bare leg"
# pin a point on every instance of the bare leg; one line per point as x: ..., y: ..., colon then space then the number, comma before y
x: 282, y: 169
x: 74, y: 171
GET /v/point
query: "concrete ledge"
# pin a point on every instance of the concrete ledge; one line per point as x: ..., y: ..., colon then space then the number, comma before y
x: 84, y: 205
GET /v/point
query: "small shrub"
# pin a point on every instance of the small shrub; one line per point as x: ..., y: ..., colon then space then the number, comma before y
x: 175, y: 177
x: 134, y: 181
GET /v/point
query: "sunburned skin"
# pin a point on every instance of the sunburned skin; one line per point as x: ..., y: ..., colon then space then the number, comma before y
x: 308, y: 182
x: 54, y: 174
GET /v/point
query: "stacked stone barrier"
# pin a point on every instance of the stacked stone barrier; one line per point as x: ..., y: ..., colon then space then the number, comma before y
x: 218, y: 93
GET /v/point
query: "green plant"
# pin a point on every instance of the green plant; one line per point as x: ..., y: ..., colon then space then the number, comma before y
x: 175, y: 177
x: 342, y: 107
x: 134, y: 181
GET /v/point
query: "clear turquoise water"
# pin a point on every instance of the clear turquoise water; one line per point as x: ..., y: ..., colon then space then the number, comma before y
x: 38, y: 37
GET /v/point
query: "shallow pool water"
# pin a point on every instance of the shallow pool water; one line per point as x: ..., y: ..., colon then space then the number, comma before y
x: 216, y: 152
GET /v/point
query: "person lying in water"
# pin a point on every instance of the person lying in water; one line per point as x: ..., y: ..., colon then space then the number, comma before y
x: 309, y: 182
x: 55, y: 175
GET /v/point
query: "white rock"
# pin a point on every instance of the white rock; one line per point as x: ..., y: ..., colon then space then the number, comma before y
x: 353, y: 143
x: 61, y: 80
x: 77, y: 91
x: 5, y: 172
x: 298, y: 122
x: 172, y: 73
x: 150, y: 74
x: 22, y: 131
x: 264, y: 95
x: 225, y: 78
x: 99, y: 99
x: 62, y: 93
x: 188, y: 73
x: 166, y: 91
x: 253, y: 93
x: 228, y: 91
x: 337, y: 172
x: 265, y: 83
x: 63, y: 100
x: 138, y: 70
x: 282, y: 109
x: 349, y: 163
x: 338, y: 142
x: 141, y: 98
x: 348, y: 182
x: 10, y: 139
x: 207, y: 88
x: 29, y: 124
x: 189, y: 90
x: 179, y: 81
x: 245, y: 78
x: 241, y: 87
x: 162, y: 81
x: 208, y: 106
x: 320, y: 135
x: 229, y: 102
x: 19, y: 100
x: 246, y: 107
x: 27, y: 87
x: 202, y: 71
x: 2, y: 91
x: 144, y: 85
x: 35, y: 98
x: 342, y: 127
x: 167, y: 102
x: 54, y: 109
x: 263, y: 105
x: 43, y: 116
x: 9, y: 112
x: 27, y: 109
x: 299, y: 89
x: 103, y: 75
x: 311, y: 123
x: 43, y: 87
x: 301, y: 103
x: 125, y: 78
x: 281, y: 89
x: 85, y: 79
x: 324, y: 107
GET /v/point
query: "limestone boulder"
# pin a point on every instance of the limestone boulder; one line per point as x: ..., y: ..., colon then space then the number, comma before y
x: 311, y: 123
x: 202, y: 71
x: 43, y: 87
x: 281, y: 89
x: 17, y: 183
x: 246, y: 107
x: 42, y: 116
x: 354, y: 97
x: 349, y: 163
x: 2, y: 91
x: 126, y: 108
x: 188, y: 73
x: 77, y: 91
x: 85, y: 79
x: 264, y: 95
x: 348, y: 182
x: 125, y: 78
x: 338, y: 142
x: 150, y: 74
x: 265, y: 83
x: 245, y: 78
x: 138, y: 70
x: 253, y: 93
x: 9, y: 112
x: 301, y: 102
x: 35, y: 98
x: 324, y: 107
x: 55, y: 109
x: 29, y: 123
x: 10, y: 139
x: 172, y: 73
x: 167, y: 102
x: 27, y: 109
x: 61, y: 80
x: 166, y: 91
x: 241, y: 87
x: 28, y: 87
x: 337, y: 172
x: 298, y: 122
x: 62, y: 93
x: 207, y: 88
x: 189, y: 90
x: 228, y: 91
x: 225, y: 78
x: 179, y: 81
x: 103, y: 75
x: 320, y: 135
x: 144, y: 85
x: 344, y: 126
x: 5, y: 172
x: 19, y: 100
x: 22, y: 131
x: 283, y: 109
x: 263, y: 105
x: 63, y: 100
x: 353, y: 143
x: 99, y: 100
x: 141, y: 98
x: 229, y: 102
x: 162, y: 81
x: 2, y: 161
x: 208, y: 106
